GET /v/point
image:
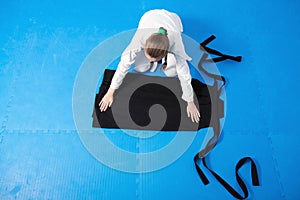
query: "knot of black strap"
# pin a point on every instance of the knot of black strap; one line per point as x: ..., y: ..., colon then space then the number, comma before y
x: 230, y: 189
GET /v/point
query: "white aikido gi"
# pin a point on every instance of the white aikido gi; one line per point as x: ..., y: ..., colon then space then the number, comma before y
x: 177, y: 58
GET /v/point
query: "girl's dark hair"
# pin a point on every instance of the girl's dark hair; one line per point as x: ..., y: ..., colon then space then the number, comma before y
x: 157, y: 45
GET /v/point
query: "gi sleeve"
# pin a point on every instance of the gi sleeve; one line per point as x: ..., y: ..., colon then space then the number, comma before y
x: 127, y: 59
x: 185, y: 79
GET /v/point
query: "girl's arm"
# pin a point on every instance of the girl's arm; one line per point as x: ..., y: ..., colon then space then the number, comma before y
x: 126, y: 61
x: 185, y: 78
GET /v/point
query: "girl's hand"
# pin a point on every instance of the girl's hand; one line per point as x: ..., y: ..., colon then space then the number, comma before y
x: 106, y: 102
x: 193, y: 112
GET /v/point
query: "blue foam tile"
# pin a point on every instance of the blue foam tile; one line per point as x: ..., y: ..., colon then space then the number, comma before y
x: 180, y: 179
x: 171, y: 181
x: 285, y: 153
x: 278, y: 81
x: 270, y: 55
x: 125, y: 139
x: 243, y: 99
x: 7, y: 77
x: 57, y: 166
x: 45, y: 85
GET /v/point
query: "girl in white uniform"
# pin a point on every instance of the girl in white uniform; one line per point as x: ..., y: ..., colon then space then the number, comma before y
x: 158, y: 37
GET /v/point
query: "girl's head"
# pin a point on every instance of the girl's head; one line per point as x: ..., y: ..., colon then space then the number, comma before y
x: 157, y: 45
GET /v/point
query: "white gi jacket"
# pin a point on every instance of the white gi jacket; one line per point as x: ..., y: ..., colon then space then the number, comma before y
x: 149, y: 23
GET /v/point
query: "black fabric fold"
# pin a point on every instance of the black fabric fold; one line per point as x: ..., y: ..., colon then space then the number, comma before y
x: 147, y: 91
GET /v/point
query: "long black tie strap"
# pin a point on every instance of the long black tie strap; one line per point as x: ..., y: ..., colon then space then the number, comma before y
x: 231, y: 190
x: 222, y: 57
x: 201, y: 155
